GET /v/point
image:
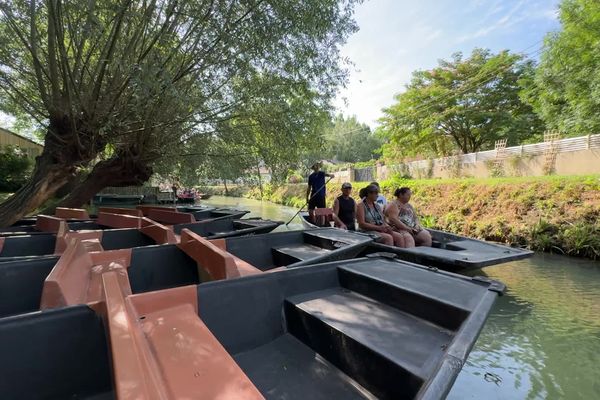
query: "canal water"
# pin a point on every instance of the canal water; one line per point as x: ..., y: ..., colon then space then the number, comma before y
x: 542, y: 339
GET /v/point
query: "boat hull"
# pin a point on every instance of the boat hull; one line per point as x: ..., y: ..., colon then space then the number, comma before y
x: 449, y: 251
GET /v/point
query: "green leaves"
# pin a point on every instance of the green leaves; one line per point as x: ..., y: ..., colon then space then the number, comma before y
x: 566, y: 88
x: 347, y: 140
x: 464, y: 105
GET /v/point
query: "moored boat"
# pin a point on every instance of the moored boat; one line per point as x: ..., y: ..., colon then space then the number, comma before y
x: 129, y: 199
x: 366, y: 328
x: 117, y: 232
x: 280, y: 250
x: 226, y: 227
x: 448, y: 251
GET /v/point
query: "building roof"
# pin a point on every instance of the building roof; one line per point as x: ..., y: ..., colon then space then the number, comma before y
x: 10, y: 133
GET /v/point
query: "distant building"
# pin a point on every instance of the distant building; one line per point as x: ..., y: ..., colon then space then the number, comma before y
x: 8, y: 138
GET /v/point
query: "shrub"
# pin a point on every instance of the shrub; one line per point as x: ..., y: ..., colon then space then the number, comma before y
x: 15, y: 168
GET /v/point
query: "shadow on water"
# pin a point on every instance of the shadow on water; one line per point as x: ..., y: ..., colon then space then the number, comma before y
x: 542, y: 339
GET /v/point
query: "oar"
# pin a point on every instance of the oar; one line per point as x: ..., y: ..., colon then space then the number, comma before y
x: 305, y: 204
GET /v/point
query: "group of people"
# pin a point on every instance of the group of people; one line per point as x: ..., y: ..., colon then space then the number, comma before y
x: 395, y: 222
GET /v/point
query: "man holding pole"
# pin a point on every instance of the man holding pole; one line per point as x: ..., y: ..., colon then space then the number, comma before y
x: 315, y: 193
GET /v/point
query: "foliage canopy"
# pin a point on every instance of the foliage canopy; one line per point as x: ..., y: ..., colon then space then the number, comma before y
x: 464, y: 104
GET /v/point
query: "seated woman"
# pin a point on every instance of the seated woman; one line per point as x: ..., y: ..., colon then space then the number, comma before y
x: 371, y: 219
x: 403, y: 218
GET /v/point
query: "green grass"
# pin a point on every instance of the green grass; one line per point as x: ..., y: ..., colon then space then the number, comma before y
x: 549, y: 213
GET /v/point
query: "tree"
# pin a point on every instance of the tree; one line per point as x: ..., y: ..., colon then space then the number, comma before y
x: 119, y: 84
x: 348, y: 140
x: 275, y: 128
x: 463, y: 104
x: 566, y: 88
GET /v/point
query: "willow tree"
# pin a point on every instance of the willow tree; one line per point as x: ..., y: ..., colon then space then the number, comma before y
x: 117, y: 85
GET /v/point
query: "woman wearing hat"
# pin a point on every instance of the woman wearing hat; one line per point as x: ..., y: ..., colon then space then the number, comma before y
x: 345, y: 208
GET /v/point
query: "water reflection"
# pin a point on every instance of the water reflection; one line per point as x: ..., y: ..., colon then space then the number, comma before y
x: 542, y: 339
x: 263, y: 209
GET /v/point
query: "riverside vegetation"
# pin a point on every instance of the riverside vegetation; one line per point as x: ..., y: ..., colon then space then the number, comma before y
x: 552, y: 214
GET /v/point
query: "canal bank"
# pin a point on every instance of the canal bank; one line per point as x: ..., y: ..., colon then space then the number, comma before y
x: 542, y: 340
x: 551, y: 214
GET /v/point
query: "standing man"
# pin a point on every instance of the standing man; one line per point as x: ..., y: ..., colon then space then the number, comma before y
x: 315, y: 193
x: 344, y: 208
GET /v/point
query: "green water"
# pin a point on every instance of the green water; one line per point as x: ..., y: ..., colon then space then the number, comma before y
x: 542, y: 339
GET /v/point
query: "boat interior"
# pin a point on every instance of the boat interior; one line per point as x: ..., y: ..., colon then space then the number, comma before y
x: 30, y: 283
x: 454, y: 252
x: 295, y: 248
x: 225, y: 227
x: 366, y: 328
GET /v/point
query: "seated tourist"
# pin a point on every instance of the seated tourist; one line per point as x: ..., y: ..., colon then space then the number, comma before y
x: 371, y: 219
x: 402, y: 216
x: 381, y: 200
x: 344, y: 208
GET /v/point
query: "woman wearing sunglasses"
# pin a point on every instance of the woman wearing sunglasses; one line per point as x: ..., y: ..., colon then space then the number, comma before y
x: 371, y: 219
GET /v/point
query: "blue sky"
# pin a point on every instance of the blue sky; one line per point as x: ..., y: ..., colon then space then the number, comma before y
x: 397, y: 37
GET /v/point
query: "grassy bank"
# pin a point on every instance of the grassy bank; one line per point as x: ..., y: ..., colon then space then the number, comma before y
x: 557, y: 214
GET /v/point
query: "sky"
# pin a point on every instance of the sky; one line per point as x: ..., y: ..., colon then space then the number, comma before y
x: 397, y: 37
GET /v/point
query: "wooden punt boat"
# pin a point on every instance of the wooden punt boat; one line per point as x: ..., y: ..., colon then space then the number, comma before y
x: 118, y: 199
x: 223, y: 228
x: 28, y: 284
x: 449, y: 251
x: 173, y: 216
x: 119, y: 232
x: 280, y: 250
x: 366, y: 328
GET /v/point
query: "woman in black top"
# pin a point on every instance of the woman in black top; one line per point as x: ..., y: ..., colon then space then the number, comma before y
x: 345, y: 208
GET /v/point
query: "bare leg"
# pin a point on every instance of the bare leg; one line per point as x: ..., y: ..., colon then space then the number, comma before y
x: 398, y: 239
x: 423, y: 238
x: 385, y: 238
x: 311, y: 216
x: 409, y: 241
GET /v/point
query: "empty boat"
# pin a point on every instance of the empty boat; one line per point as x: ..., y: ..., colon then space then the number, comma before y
x: 295, y: 248
x: 120, y: 232
x: 28, y: 284
x: 357, y: 329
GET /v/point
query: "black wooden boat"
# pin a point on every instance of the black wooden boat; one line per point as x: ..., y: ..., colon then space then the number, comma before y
x: 149, y: 268
x: 449, y: 251
x: 222, y: 228
x: 111, y: 237
x: 185, y: 215
x: 454, y: 253
x: 295, y: 248
x: 122, y: 199
x: 365, y: 328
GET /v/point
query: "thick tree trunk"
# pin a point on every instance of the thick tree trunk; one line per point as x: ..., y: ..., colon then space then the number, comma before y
x: 47, y: 178
x: 117, y: 171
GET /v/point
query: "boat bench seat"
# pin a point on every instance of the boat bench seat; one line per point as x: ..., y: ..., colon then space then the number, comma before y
x: 286, y: 255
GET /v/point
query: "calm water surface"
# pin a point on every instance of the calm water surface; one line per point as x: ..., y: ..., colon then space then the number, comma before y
x: 542, y: 339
